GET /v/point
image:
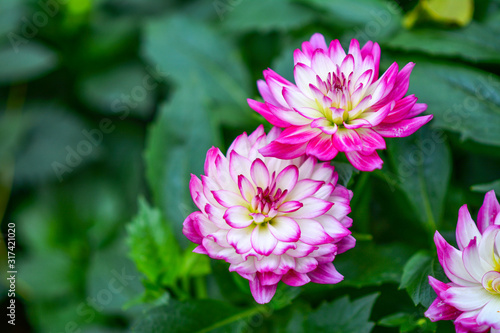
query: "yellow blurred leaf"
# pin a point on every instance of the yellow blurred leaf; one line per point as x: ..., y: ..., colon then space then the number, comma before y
x: 443, y: 11
x: 450, y: 11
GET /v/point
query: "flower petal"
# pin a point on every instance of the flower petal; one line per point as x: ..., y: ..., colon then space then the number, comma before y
x: 490, y: 314
x: 321, y: 64
x: 304, y: 188
x: 305, y: 264
x: 298, y: 135
x: 312, y: 207
x: 336, y: 52
x: 247, y: 190
x: 402, y: 128
x: 466, y: 228
x: 371, y: 140
x: 290, y: 206
x: 266, y: 94
x: 333, y: 227
x: 346, y: 140
x: 190, y: 230
x: 264, y: 111
x: 325, y: 274
x: 473, y: 263
x: 487, y: 245
x: 228, y: 198
x: 451, y: 260
x: 322, y: 148
x: 283, y: 150
x: 287, y: 178
x: 467, y: 298
x: 260, y: 174
x: 439, y: 310
x: 285, y: 229
x: 301, y: 103
x: 289, y: 116
x: 294, y: 279
x: 240, y: 239
x: 238, y: 217
x: 304, y: 76
x: 488, y: 211
x: 312, y: 232
x: 363, y: 162
x: 376, y: 117
x: 263, y: 241
x: 268, y: 264
x: 262, y: 294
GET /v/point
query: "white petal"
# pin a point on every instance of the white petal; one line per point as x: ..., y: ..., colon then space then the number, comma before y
x: 467, y: 298
x: 263, y: 240
x: 466, y: 228
x: 304, y: 188
x: 487, y: 245
x: 490, y: 314
x: 287, y: 178
x: 238, y: 217
x: 284, y: 229
x: 313, y: 207
x: 473, y: 263
x: 260, y: 174
x: 312, y: 232
x: 240, y: 239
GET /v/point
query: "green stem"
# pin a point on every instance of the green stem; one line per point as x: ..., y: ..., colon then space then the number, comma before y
x: 200, y: 287
x: 234, y: 318
x: 185, y: 285
x: 431, y: 225
x: 360, y: 185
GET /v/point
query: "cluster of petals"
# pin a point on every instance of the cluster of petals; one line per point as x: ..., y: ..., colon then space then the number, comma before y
x: 472, y: 298
x: 338, y: 104
x: 271, y: 219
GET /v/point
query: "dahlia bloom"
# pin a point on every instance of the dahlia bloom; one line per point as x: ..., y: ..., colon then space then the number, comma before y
x: 271, y: 219
x: 338, y: 104
x: 472, y: 298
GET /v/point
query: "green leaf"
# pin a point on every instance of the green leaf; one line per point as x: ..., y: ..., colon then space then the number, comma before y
x: 121, y: 91
x: 185, y: 49
x: 369, y: 264
x: 46, y: 274
x: 483, y: 188
x: 262, y: 15
x: 468, y: 101
x: 408, y: 322
x: 194, y: 264
x: 11, y: 13
x: 153, y: 246
x: 422, y: 165
x: 345, y: 171
x: 176, y: 146
x: 25, y: 62
x: 475, y: 42
x: 342, y: 316
x: 284, y: 296
x: 53, y: 146
x: 12, y: 129
x: 112, y: 278
x: 416, y: 277
x: 371, y: 19
x: 197, y: 316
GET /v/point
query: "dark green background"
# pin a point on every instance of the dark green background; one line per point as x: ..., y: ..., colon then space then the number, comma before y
x: 107, y: 101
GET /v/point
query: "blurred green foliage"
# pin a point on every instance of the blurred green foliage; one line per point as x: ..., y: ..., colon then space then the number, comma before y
x: 108, y: 101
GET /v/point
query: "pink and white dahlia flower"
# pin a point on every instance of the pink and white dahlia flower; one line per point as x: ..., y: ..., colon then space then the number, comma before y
x: 472, y: 298
x: 271, y: 219
x: 338, y: 104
